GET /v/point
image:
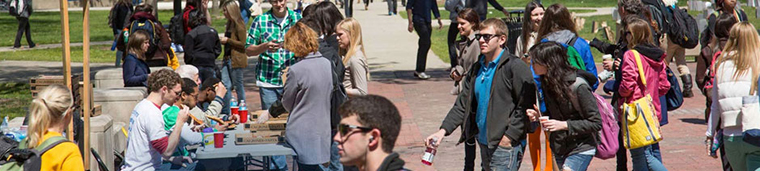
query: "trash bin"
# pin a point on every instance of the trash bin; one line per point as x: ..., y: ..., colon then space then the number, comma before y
x: 514, y: 26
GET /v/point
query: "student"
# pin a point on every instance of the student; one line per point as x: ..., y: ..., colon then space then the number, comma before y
x: 368, y: 132
x: 235, y: 59
x: 202, y: 46
x: 557, y: 25
x: 191, y: 5
x: 50, y: 114
x: 181, y: 156
x: 306, y: 96
x: 210, y: 93
x: 25, y: 9
x: 418, y: 14
x: 640, y: 42
x: 352, y: 49
x: 120, y: 14
x: 135, y: 70
x: 735, y: 80
x: 159, y: 54
x: 530, y: 29
x: 149, y: 142
x: 576, y: 124
x: 487, y: 87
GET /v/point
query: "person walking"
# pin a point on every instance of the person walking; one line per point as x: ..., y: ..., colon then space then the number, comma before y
x: 202, y: 46
x: 453, y: 6
x: 736, y: 82
x: 679, y: 53
x: 575, y: 124
x: 557, y: 25
x: 135, y: 70
x: 498, y: 120
x: 235, y: 59
x: 50, y: 114
x: 641, y: 48
x: 24, y: 10
x: 392, y: 7
x: 418, y: 14
x: 352, y: 49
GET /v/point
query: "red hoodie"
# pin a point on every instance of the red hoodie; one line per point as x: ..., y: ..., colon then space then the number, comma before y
x: 632, y: 88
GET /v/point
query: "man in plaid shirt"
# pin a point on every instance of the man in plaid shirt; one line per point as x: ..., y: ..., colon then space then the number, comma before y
x: 265, y: 39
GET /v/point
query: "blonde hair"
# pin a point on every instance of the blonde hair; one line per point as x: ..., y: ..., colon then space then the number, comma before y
x: 301, y: 40
x: 134, y: 45
x: 48, y: 109
x: 743, y: 40
x: 235, y: 20
x: 640, y: 33
x: 354, y: 30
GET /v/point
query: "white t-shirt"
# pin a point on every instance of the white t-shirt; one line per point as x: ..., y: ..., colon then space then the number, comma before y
x: 146, y: 131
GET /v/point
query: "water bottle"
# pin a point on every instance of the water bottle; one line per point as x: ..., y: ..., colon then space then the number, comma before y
x: 4, y: 126
x: 233, y: 106
x: 427, y: 159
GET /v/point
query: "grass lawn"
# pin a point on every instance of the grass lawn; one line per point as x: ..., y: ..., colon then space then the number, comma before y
x: 98, y: 54
x: 574, y: 3
x: 46, y: 26
x: 14, y: 98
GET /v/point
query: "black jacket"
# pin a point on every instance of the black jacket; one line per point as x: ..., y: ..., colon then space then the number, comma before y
x: 512, y: 92
x: 392, y: 163
x: 582, y: 125
x: 202, y: 46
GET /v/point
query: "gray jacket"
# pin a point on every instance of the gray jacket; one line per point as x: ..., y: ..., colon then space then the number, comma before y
x: 454, y: 6
x: 306, y: 96
x: 25, y: 8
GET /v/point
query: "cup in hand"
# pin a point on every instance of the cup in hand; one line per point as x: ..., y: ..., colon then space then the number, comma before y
x: 543, y: 119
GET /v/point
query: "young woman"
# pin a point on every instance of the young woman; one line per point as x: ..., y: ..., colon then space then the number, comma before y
x: 530, y: 29
x: 468, y: 47
x: 235, y: 59
x: 307, y: 96
x: 351, y: 48
x: 573, y: 127
x: 558, y: 26
x: 736, y: 81
x: 49, y: 116
x: 135, y: 70
x: 641, y: 45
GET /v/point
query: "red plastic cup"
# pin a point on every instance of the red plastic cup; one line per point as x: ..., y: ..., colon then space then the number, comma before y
x: 243, y: 116
x: 218, y: 140
x: 234, y: 110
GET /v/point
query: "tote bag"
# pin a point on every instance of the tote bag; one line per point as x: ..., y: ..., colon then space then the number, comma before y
x: 640, y: 125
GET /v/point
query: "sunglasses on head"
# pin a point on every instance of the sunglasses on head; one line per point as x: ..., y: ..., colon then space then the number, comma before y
x: 344, y: 128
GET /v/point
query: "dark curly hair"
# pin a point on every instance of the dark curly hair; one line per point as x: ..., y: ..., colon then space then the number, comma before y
x: 163, y: 78
x: 553, y: 56
x: 197, y: 18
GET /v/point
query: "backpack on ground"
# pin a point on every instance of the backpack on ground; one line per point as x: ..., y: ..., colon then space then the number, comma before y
x: 683, y: 28
x: 177, y: 29
x: 23, y: 158
x: 607, y: 145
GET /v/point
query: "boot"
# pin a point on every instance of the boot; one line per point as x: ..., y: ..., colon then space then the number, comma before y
x: 686, y: 79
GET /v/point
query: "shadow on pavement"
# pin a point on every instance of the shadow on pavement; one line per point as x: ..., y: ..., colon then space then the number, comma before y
x: 694, y: 121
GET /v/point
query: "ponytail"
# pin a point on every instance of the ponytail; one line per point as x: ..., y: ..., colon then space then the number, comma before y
x: 49, y: 108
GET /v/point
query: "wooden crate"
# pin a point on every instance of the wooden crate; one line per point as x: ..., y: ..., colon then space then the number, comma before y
x: 262, y: 137
x: 255, y: 116
x: 267, y: 126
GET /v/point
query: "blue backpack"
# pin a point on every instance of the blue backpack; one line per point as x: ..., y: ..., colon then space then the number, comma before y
x: 148, y: 26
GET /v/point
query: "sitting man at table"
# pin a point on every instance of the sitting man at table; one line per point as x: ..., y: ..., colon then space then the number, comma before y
x: 367, y: 133
x: 209, y: 93
x: 148, y: 142
x: 181, y: 160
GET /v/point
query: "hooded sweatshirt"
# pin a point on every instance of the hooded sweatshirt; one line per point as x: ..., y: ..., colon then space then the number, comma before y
x: 392, y: 163
x: 580, y: 44
x: 632, y: 88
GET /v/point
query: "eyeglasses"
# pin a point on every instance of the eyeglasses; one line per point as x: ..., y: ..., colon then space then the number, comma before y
x: 343, y: 129
x: 486, y: 37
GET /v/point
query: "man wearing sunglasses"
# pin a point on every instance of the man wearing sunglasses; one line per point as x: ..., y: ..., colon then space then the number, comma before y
x: 367, y: 133
x: 491, y: 106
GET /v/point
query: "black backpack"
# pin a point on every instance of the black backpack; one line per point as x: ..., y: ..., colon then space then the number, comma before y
x: 16, y: 156
x: 177, y: 29
x: 683, y: 29
x: 659, y: 13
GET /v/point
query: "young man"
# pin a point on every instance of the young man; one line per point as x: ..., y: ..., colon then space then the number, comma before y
x: 491, y: 107
x: 148, y: 142
x: 186, y: 98
x: 209, y: 93
x: 418, y: 13
x: 367, y: 134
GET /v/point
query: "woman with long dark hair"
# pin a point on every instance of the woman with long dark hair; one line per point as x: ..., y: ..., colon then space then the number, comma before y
x: 574, y: 127
x: 529, y: 28
x: 558, y: 26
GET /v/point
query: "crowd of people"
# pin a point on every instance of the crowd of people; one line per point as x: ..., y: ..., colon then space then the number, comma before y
x: 312, y: 65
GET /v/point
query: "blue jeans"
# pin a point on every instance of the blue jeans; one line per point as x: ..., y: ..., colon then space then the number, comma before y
x: 205, y: 73
x: 173, y: 167
x: 119, y: 55
x: 501, y: 158
x: 644, y: 160
x: 335, y: 164
x: 576, y: 162
x: 232, y: 80
x: 316, y: 167
x: 269, y: 96
x: 246, y: 15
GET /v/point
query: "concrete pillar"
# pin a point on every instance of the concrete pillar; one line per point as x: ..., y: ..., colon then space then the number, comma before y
x: 118, y: 103
x: 101, y: 140
x: 113, y: 78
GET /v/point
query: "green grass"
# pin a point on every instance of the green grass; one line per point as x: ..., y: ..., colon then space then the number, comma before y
x: 14, y: 98
x: 46, y: 26
x: 98, y: 54
x: 573, y: 3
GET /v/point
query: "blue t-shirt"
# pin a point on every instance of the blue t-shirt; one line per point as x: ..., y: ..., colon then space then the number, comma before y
x: 483, y: 81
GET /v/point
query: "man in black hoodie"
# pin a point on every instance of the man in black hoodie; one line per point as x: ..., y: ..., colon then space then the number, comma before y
x: 367, y: 133
x: 202, y: 46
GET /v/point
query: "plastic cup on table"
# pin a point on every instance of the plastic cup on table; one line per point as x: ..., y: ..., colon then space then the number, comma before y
x: 218, y: 139
x: 243, y: 116
x: 234, y: 110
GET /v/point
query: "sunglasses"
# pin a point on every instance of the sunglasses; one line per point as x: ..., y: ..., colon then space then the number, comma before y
x: 486, y: 37
x: 343, y: 129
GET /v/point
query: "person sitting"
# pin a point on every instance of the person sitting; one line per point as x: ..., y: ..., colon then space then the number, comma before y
x: 50, y: 113
x: 188, y: 137
x: 135, y: 70
x: 189, y: 71
x: 159, y: 54
x: 209, y: 100
x: 367, y: 133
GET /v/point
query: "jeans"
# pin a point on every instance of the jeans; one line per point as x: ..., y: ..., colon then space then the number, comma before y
x: 348, y: 8
x: 644, y: 160
x: 232, y: 80
x: 269, y: 96
x: 23, y: 27
x: 469, y: 155
x: 246, y: 15
x: 316, y: 167
x: 392, y: 7
x: 656, y: 151
x: 452, y: 36
x: 741, y: 155
x: 172, y: 167
x: 424, y: 30
x: 119, y: 55
x: 578, y: 161
x: 206, y: 73
x: 501, y: 158
x: 335, y: 164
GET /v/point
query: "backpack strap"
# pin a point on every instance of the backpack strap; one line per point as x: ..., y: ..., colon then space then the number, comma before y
x: 49, y: 144
x: 577, y: 84
x: 572, y: 41
x: 640, y: 66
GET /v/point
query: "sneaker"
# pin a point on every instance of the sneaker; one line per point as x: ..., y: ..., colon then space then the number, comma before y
x: 390, y: 13
x: 421, y: 75
x: 32, y: 45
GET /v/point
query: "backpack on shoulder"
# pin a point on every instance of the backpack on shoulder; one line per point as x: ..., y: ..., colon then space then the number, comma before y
x: 608, y: 136
x: 154, y: 37
x: 22, y: 158
x: 683, y: 28
x: 177, y: 29
x: 14, y: 9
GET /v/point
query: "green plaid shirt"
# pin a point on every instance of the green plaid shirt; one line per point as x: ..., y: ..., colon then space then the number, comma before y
x: 265, y: 28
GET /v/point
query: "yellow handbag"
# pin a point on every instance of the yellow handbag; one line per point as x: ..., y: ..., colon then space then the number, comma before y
x: 641, y: 126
